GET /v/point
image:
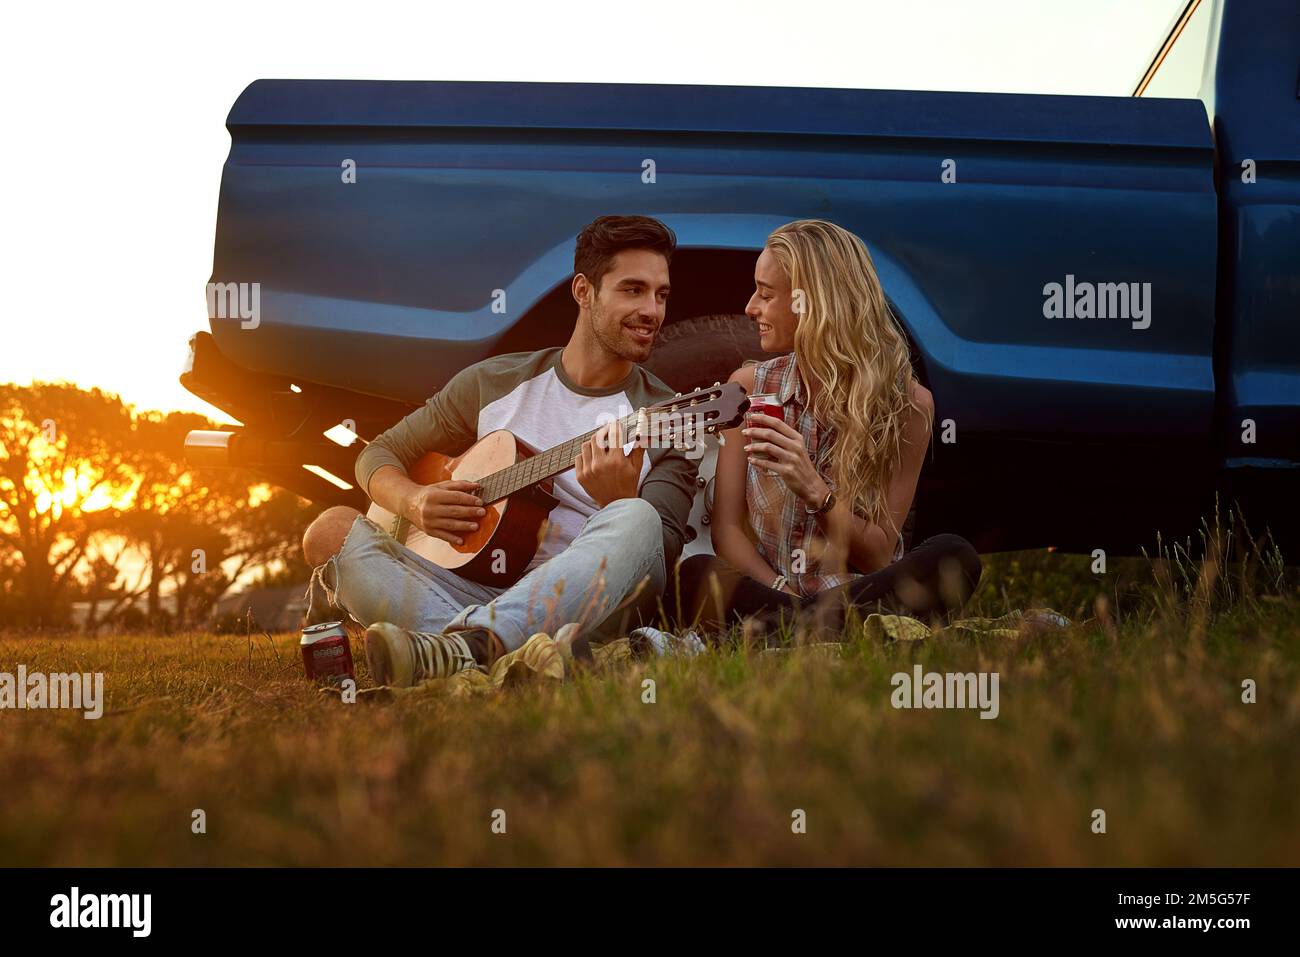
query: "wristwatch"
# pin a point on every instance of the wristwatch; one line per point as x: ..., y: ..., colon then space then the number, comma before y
x: 825, y: 506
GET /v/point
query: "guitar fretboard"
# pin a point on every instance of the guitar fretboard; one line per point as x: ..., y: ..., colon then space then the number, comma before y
x: 543, y: 465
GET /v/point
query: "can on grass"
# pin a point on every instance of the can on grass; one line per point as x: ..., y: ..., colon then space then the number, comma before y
x: 327, y: 653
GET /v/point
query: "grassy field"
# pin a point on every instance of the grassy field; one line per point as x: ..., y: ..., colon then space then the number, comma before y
x: 1137, y: 710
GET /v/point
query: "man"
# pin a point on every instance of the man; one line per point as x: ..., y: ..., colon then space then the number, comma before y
x: 620, y: 520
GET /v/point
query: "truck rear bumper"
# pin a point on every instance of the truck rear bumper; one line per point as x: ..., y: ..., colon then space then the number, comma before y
x: 281, y: 437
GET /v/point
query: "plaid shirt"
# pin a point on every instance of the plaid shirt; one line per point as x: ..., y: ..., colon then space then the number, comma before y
x: 781, y: 524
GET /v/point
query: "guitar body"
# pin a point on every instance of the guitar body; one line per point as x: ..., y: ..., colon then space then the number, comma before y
x: 513, y: 525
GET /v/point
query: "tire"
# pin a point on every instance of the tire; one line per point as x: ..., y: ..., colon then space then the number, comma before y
x: 698, y: 352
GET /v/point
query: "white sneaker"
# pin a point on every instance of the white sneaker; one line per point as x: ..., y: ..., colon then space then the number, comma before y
x: 400, y: 659
x: 666, y: 643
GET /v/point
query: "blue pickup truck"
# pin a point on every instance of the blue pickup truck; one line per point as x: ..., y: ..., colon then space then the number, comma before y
x: 1102, y: 293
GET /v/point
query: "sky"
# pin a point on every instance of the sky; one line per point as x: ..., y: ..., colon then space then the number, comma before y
x: 114, y: 119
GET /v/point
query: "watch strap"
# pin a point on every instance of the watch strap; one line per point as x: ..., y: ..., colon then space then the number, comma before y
x: 827, y: 503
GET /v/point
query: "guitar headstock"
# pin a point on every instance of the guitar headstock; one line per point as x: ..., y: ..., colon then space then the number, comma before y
x: 683, y: 419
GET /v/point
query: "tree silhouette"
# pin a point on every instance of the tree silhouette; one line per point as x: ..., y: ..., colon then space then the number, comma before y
x: 64, y: 472
x: 84, y: 481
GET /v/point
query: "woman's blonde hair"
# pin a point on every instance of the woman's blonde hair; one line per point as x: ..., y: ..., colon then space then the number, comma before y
x: 848, y: 343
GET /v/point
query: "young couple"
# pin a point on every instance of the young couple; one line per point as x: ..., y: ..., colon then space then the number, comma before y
x: 822, y: 527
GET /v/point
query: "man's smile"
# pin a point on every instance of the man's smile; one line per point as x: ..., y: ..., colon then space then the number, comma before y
x: 644, y: 334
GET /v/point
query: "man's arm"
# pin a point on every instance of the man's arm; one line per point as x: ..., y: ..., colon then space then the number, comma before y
x: 670, y: 487
x: 608, y: 475
x: 447, y: 423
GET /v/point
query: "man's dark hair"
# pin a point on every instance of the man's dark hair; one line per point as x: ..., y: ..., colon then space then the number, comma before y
x: 602, y: 239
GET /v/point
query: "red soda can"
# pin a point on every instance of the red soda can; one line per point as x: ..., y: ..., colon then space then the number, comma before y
x: 765, y: 403
x: 327, y: 652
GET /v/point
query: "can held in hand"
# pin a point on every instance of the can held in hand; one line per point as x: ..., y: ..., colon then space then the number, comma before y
x: 327, y: 653
x: 764, y: 403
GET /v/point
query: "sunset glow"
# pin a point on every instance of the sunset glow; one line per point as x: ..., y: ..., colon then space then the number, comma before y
x: 83, y: 488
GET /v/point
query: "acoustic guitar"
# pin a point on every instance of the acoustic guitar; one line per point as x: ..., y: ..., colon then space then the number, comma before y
x: 516, y: 483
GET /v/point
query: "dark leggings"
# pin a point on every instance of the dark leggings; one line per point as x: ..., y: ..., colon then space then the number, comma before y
x: 931, y: 581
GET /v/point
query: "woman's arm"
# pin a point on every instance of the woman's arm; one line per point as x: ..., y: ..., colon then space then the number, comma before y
x: 871, y: 546
x: 868, y: 546
x: 729, y: 512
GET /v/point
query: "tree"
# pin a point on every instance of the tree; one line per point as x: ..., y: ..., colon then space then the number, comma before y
x: 64, y: 474
x: 200, y: 530
x: 84, y: 481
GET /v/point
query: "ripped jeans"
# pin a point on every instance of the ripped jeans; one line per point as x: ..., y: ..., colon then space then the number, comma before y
x: 609, y: 580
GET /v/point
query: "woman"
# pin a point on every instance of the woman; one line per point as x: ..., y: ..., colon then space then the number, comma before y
x: 809, y: 506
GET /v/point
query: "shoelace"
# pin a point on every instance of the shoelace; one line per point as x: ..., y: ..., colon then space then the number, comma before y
x: 442, y: 655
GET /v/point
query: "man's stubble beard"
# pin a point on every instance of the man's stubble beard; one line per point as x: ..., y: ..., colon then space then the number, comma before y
x: 613, y: 341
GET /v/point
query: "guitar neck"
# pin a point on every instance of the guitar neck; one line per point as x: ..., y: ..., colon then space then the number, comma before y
x: 543, y: 465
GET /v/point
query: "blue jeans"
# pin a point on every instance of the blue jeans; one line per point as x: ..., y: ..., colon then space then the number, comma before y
x: 608, y: 579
